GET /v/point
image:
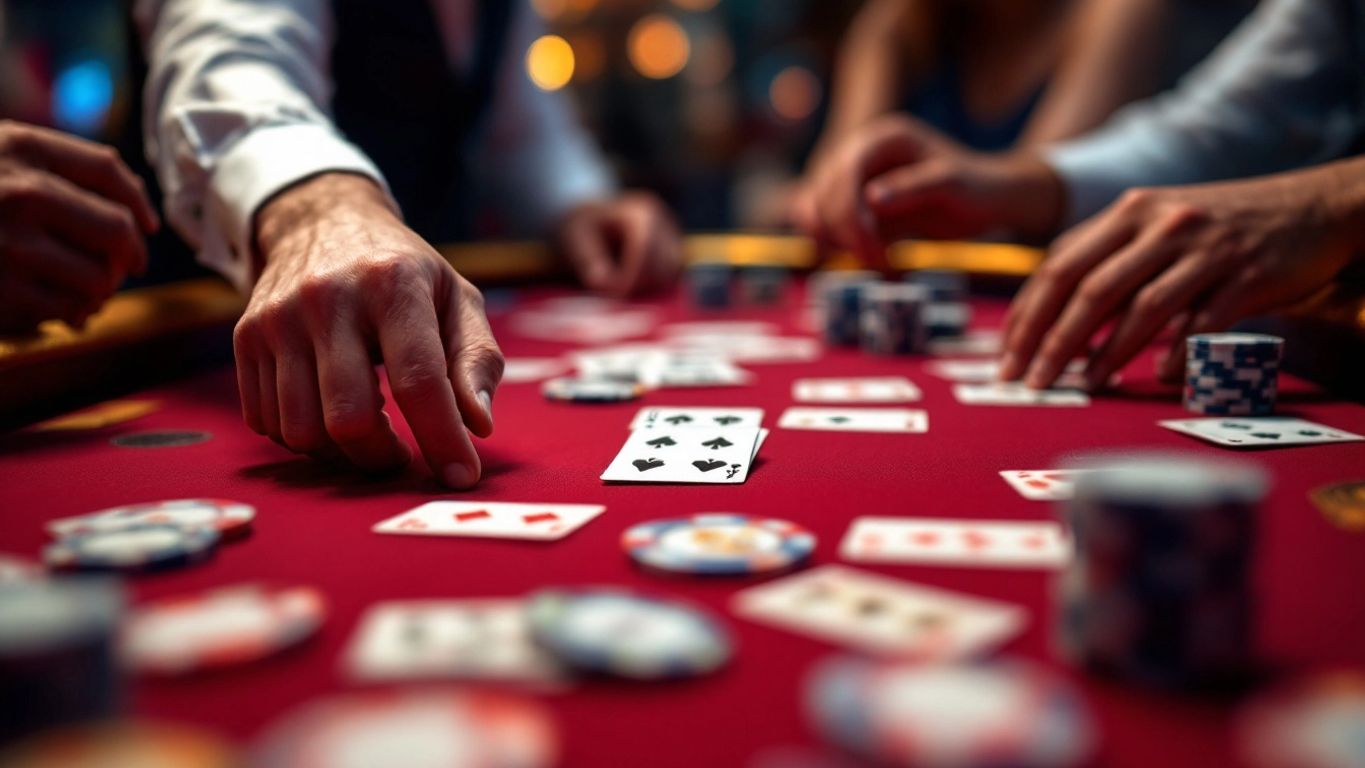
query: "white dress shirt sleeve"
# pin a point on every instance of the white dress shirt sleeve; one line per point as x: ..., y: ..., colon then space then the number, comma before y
x: 535, y: 160
x: 236, y: 110
x: 1282, y: 92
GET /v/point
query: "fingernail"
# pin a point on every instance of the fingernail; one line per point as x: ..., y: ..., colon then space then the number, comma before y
x: 459, y: 476
x: 486, y: 400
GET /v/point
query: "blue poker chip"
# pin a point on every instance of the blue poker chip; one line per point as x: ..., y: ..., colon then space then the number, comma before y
x: 720, y: 544
x: 613, y: 632
x: 580, y: 390
x: 132, y: 548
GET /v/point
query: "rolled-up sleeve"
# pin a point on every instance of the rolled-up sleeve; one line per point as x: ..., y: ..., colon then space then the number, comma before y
x: 1284, y: 91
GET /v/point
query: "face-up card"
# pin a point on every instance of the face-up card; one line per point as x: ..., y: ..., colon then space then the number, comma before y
x: 882, y: 615
x: 523, y: 369
x: 1043, y: 484
x: 690, y: 370
x: 483, y: 639
x: 499, y: 520
x: 1015, y: 393
x: 987, y: 371
x: 725, y: 328
x: 984, y: 341
x: 586, y: 327
x: 887, y: 389
x: 1004, y: 544
x: 686, y: 455
x: 855, y: 419
x: 1259, y: 432
x: 753, y: 349
x: 696, y: 417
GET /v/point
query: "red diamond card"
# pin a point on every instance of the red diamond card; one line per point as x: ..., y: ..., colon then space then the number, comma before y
x: 491, y: 520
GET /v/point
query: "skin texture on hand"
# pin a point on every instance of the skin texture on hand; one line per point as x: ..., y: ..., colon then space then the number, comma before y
x: 621, y: 247
x: 72, y: 220
x: 343, y: 285
x: 1200, y: 257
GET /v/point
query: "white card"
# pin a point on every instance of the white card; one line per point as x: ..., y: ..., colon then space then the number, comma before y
x: 1015, y: 393
x: 685, y: 369
x: 886, y: 389
x: 517, y: 370
x: 882, y: 615
x: 1043, y: 484
x: 480, y: 639
x: 698, y: 417
x: 729, y: 328
x: 491, y: 519
x: 584, y: 327
x: 988, y: 371
x: 1260, y: 431
x: 753, y: 349
x: 685, y: 455
x: 855, y: 419
x: 984, y: 543
x: 986, y: 341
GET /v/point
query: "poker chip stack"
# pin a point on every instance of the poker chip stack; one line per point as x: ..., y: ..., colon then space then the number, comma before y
x: 1232, y: 374
x: 842, y: 306
x: 762, y: 285
x: 946, y: 312
x: 1159, y: 589
x: 893, y: 318
x: 709, y: 284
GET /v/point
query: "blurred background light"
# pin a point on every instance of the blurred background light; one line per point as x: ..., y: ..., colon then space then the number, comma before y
x: 712, y: 61
x: 695, y: 5
x: 795, y: 93
x: 658, y: 47
x: 81, y: 96
x: 550, y: 62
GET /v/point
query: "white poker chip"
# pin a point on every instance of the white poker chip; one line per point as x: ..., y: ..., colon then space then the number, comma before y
x: 18, y: 570
x: 223, y: 627
x: 1317, y: 721
x: 591, y: 390
x: 229, y: 518
x: 138, y: 547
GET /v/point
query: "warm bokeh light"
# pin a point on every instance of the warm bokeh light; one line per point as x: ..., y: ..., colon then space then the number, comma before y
x: 658, y: 47
x: 695, y: 5
x: 714, y: 60
x: 550, y: 62
x: 794, y: 93
x: 590, y: 56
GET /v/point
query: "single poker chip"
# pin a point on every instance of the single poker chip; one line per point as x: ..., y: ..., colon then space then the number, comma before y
x: 591, y: 390
x: 138, y: 547
x: 230, y: 518
x: 161, y: 439
x: 1002, y: 713
x: 719, y: 544
x: 1342, y: 503
x: 1313, y: 722
x: 618, y: 633
x: 18, y: 570
x: 220, y: 628
x: 111, y: 745
x: 418, y: 728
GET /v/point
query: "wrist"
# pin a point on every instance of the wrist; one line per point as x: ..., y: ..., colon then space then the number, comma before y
x: 1342, y: 201
x: 316, y: 199
x: 1033, y: 198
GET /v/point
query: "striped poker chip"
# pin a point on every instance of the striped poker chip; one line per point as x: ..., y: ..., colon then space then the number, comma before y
x: 719, y: 544
x: 590, y: 390
x: 230, y: 518
x: 133, y: 548
x: 1232, y: 374
x: 614, y: 632
x: 1002, y: 713
x: 220, y: 628
x: 428, y: 728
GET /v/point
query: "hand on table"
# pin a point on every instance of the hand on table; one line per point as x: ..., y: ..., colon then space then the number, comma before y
x: 345, y: 284
x: 621, y: 247
x: 73, y: 217
x: 898, y: 178
x: 1203, y: 256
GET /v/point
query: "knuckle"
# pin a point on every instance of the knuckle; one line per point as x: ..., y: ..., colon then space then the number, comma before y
x: 1181, y: 217
x: 1094, y: 290
x: 347, y: 421
x: 1149, y: 300
x: 419, y: 379
x: 1136, y: 199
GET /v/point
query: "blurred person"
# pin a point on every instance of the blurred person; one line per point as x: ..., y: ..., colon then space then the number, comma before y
x: 1240, y: 192
x: 72, y: 221
x: 312, y: 151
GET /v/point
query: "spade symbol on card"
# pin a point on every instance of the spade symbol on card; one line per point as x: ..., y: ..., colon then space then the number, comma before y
x: 717, y: 443
x: 706, y: 465
x: 679, y: 419
x: 726, y: 421
x: 734, y: 470
x: 1310, y: 433
x: 1234, y: 425
x: 1266, y: 435
x: 839, y: 419
x: 647, y: 464
x: 660, y: 442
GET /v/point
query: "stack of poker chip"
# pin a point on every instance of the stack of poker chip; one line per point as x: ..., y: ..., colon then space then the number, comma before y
x: 893, y: 318
x: 946, y: 312
x: 708, y: 283
x: 841, y: 306
x: 1232, y: 374
x: 142, y: 537
x: 718, y: 544
x: 762, y: 285
x: 1159, y: 589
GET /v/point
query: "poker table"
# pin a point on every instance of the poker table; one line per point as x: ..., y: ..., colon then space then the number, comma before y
x: 314, y: 528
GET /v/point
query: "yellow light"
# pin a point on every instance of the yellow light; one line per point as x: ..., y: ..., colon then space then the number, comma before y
x: 794, y: 93
x: 695, y: 5
x: 549, y: 62
x: 658, y: 47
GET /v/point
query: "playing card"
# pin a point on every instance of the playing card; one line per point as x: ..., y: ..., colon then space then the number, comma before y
x: 490, y: 519
x: 988, y: 371
x: 685, y: 455
x: 523, y: 369
x: 482, y: 639
x: 1015, y: 393
x: 729, y: 328
x: 696, y: 417
x: 855, y: 419
x: 882, y: 615
x: 584, y: 327
x: 752, y: 349
x: 1259, y: 432
x: 956, y: 542
x: 889, y: 389
x: 1043, y: 484
x: 689, y: 369
x: 984, y: 341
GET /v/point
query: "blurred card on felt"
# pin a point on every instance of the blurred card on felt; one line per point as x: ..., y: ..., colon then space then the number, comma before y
x: 686, y: 455
x: 1015, y: 393
x: 882, y: 615
x: 709, y: 417
x: 884, y: 389
x: 499, y: 520
x: 970, y: 543
x: 1043, y: 484
x: 1259, y: 432
x: 855, y: 419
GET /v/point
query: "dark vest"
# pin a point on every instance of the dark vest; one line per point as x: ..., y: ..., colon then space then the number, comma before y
x: 399, y: 100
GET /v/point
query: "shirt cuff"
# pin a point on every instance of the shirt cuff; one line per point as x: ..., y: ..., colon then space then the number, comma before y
x: 264, y: 162
x: 1091, y: 174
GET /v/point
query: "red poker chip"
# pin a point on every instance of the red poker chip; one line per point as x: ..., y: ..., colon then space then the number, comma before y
x: 220, y: 628
x: 18, y: 570
x: 230, y: 519
x: 428, y: 728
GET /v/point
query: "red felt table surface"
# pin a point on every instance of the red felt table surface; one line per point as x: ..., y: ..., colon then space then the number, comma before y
x: 313, y: 527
